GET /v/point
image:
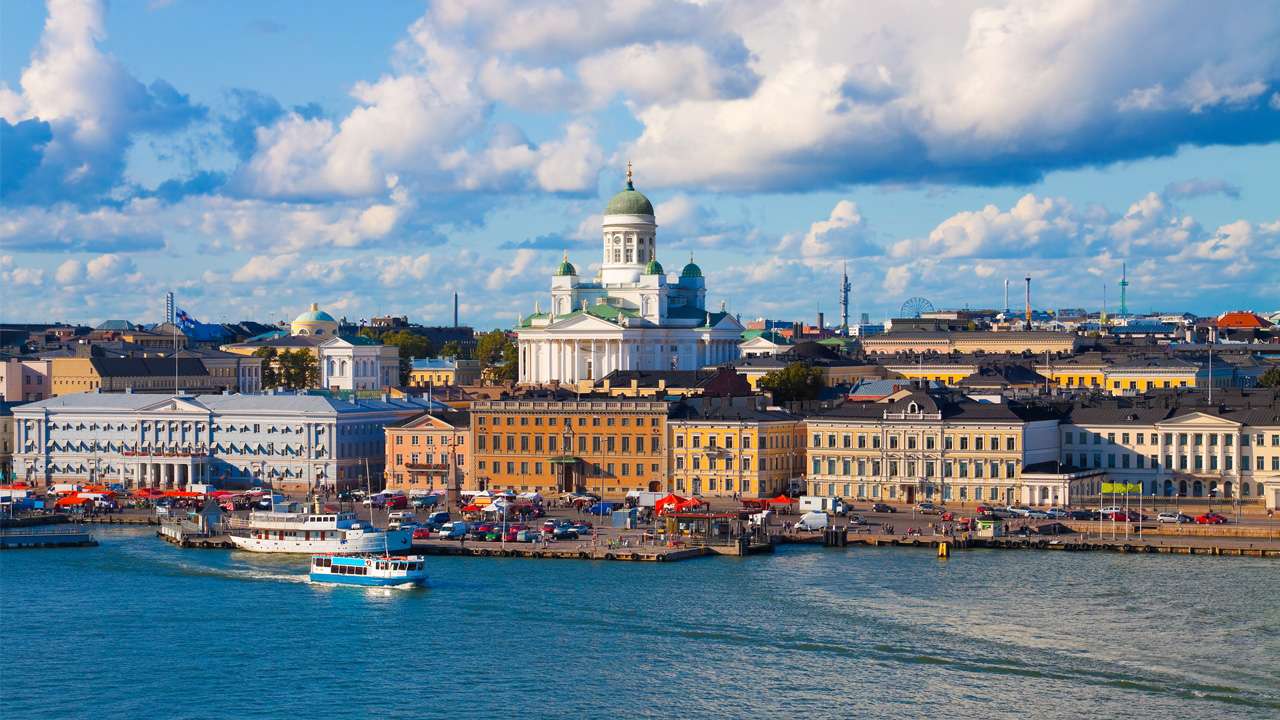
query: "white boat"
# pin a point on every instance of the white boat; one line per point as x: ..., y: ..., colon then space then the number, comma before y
x: 369, y: 569
x: 277, y: 531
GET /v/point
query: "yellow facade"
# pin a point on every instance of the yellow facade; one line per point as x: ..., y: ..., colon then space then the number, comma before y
x: 1074, y: 376
x: 946, y: 374
x: 713, y: 457
x: 606, y: 447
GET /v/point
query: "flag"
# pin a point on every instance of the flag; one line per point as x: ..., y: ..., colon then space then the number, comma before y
x: 1120, y: 487
x: 184, y: 320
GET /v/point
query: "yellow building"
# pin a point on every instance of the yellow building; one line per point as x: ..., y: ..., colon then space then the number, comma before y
x: 439, y: 372
x: 1036, y: 341
x: 947, y: 373
x: 602, y: 446
x: 1080, y: 371
x: 925, y: 446
x: 723, y: 450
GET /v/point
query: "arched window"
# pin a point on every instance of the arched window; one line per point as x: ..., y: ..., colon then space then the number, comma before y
x: 343, y: 369
x: 913, y: 408
x: 319, y: 331
x: 302, y: 331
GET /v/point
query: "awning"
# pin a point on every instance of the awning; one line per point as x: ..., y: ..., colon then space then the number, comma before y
x: 782, y: 499
x: 565, y: 460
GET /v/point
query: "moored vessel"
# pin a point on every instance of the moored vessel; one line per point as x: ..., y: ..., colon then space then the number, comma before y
x: 321, y: 531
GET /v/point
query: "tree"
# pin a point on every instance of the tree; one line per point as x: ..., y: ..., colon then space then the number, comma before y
x: 451, y: 349
x: 270, y: 374
x: 1270, y: 379
x: 798, y: 381
x: 369, y: 333
x: 498, y: 356
x: 299, y: 370
x: 411, y: 345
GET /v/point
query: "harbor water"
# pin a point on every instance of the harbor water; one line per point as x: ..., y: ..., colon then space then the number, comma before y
x: 137, y: 628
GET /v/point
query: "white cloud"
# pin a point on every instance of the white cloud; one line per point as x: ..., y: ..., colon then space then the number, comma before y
x: 10, y: 273
x: 71, y: 272
x: 1034, y: 226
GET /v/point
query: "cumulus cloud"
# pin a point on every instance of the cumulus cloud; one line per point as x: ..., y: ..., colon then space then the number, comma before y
x: 1044, y: 227
x: 90, y: 109
x: 844, y: 234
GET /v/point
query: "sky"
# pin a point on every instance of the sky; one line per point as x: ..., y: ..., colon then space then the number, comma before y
x: 375, y: 158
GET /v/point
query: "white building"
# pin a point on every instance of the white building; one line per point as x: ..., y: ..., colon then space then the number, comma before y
x: 630, y: 316
x: 289, y: 442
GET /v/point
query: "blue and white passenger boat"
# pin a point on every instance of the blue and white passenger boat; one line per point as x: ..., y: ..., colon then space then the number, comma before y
x: 369, y: 569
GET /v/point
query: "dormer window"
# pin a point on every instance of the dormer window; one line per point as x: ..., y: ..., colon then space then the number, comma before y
x: 913, y: 408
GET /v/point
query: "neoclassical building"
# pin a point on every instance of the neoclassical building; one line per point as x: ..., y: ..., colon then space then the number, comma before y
x: 630, y: 316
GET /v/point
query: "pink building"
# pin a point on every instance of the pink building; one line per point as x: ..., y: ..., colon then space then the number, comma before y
x: 22, y: 380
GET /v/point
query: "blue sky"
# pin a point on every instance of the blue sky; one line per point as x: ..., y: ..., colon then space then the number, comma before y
x: 377, y: 157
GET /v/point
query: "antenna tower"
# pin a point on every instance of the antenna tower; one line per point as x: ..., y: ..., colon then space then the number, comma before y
x: 1124, y: 283
x: 844, y: 300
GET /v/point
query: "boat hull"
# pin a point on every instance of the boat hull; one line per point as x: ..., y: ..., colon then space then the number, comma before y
x: 389, y: 541
x: 366, y: 581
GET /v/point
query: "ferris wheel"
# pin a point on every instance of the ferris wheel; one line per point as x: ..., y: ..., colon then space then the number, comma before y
x: 915, y: 307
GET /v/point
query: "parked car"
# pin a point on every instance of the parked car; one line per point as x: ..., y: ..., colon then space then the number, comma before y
x: 856, y: 519
x: 1179, y: 518
x: 881, y: 507
x: 1211, y: 518
x: 1058, y: 513
x: 984, y: 510
x: 1106, y: 511
x: 1018, y: 510
x: 1125, y: 516
x: 1081, y: 515
x: 947, y: 516
x: 582, y: 529
x: 928, y: 508
x: 421, y: 532
x: 565, y: 534
x: 527, y: 536
x: 1034, y: 514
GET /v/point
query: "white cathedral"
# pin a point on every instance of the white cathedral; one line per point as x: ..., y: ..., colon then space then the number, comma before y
x: 629, y: 317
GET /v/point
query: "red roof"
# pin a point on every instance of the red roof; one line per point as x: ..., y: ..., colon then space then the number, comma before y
x: 1242, y: 319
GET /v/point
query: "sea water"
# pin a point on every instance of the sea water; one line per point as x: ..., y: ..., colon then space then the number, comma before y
x: 137, y: 628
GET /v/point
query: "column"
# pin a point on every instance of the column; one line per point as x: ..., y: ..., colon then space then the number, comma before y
x: 596, y: 374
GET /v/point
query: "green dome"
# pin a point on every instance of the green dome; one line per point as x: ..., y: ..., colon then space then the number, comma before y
x: 314, y: 315
x: 691, y: 270
x: 566, y: 267
x: 653, y: 268
x: 629, y: 202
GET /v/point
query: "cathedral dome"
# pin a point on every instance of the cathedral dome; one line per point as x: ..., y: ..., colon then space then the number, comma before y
x: 691, y: 270
x: 653, y: 268
x: 629, y: 202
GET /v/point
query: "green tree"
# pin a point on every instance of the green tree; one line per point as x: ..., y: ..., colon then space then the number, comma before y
x: 498, y: 357
x: 411, y: 345
x: 1270, y: 379
x: 451, y: 349
x: 369, y: 333
x: 270, y: 373
x: 299, y: 370
x: 798, y: 381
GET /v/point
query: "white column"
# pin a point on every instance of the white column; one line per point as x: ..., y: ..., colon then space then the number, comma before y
x: 596, y: 374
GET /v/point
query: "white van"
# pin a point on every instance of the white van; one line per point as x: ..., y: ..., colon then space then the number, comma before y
x: 818, y: 503
x: 812, y: 521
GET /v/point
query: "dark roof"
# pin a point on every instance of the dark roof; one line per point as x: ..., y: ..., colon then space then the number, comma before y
x: 1254, y: 407
x: 950, y: 409
x: 1003, y: 376
x: 728, y: 413
x: 456, y: 418
x: 147, y: 367
x: 650, y: 378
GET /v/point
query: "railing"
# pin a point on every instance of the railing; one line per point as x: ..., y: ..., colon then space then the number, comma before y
x: 42, y: 530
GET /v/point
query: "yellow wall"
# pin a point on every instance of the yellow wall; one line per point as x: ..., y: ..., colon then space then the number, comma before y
x: 775, y: 452
x: 72, y: 375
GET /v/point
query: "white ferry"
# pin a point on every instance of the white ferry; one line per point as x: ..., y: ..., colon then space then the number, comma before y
x: 276, y: 531
x: 369, y: 569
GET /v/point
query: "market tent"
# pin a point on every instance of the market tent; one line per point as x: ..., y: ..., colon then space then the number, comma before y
x: 471, y: 508
x: 782, y: 499
x: 672, y: 500
x: 224, y: 493
x: 688, y: 504
x: 535, y: 497
x: 73, y: 500
x: 183, y: 494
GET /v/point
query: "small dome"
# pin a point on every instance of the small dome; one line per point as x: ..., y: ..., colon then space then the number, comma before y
x: 315, y: 314
x: 691, y: 270
x: 629, y: 202
x: 653, y: 268
x: 566, y: 267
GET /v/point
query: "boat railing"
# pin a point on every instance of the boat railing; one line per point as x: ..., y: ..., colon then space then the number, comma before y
x: 41, y: 530
x: 259, y: 519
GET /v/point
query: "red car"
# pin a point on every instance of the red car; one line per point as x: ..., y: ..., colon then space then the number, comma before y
x: 1211, y: 518
x: 421, y: 533
x: 1122, y: 516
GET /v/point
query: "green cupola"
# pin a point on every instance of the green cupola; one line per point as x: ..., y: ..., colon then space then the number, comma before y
x: 629, y: 201
x: 566, y: 267
x: 691, y: 270
x: 653, y: 268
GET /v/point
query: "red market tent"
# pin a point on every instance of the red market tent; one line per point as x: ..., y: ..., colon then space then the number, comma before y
x: 689, y: 504
x: 673, y: 500
x: 183, y: 494
x: 472, y: 508
x: 782, y: 499
x: 72, y: 500
x: 147, y: 493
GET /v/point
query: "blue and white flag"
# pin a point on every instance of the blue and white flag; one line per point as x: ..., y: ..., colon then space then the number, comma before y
x: 184, y: 320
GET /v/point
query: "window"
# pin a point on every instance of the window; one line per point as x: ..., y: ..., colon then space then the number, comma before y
x: 875, y: 441
x: 964, y: 442
x: 979, y: 443
x: 948, y: 443
x: 1068, y: 440
x: 846, y: 440
x: 893, y: 442
x: 1011, y: 442
x: 817, y: 466
x: 1124, y: 460
x: 929, y: 442
x: 911, y: 442
x: 817, y: 440
x: 679, y: 441
x: 1124, y: 438
x: 746, y: 443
